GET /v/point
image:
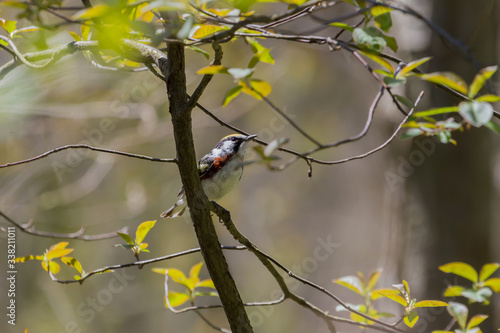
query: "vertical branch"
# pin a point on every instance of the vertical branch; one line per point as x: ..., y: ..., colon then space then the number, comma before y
x: 196, y: 199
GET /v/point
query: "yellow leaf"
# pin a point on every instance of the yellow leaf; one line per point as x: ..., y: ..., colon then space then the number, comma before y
x: 142, y: 231
x: 395, y: 298
x: 94, y: 11
x: 176, y: 299
x: 379, y: 60
x: 215, y: 69
x: 461, y: 269
x: 207, y: 30
x: 430, y: 304
x: 448, y: 79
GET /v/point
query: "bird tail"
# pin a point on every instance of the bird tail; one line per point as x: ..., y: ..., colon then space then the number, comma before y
x: 174, y: 211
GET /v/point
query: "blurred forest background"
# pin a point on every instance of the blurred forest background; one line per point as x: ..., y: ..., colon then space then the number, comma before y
x: 443, y: 209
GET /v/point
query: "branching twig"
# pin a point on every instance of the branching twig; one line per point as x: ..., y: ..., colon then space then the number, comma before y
x: 81, y: 146
x: 268, y: 261
x: 27, y: 228
x: 140, y: 263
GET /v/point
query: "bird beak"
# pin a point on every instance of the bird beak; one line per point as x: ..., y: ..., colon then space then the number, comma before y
x: 250, y: 137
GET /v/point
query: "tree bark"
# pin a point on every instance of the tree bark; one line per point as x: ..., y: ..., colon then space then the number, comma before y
x: 196, y: 198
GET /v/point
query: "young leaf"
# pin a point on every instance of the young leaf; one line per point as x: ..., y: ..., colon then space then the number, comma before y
x: 480, y: 79
x: 412, y: 65
x: 178, y: 276
x: 215, y: 69
x: 207, y: 30
x: 459, y: 312
x: 395, y: 298
x: 372, y: 279
x: 176, y: 299
x: 350, y: 282
x: 231, y: 94
x: 197, y: 49
x: 378, y: 293
x: 493, y: 126
x: 384, y: 21
x: 430, y: 304
x: 476, y: 113
x: 73, y: 263
x: 195, y: 271
x: 159, y: 270
x: 433, y: 112
x: 379, y: 10
x: 488, y: 98
x: 476, y: 320
x: 8, y: 25
x: 208, y: 283
x: 461, y: 269
x: 75, y: 36
x: 142, y: 231
x: 481, y: 295
x: 447, y: 79
x: 487, y: 270
x: 453, y: 291
x: 494, y: 284
x: 411, y: 319
x: 273, y: 145
x: 342, y: 25
x: 92, y: 12
x: 126, y: 238
x: 262, y: 87
x: 379, y: 60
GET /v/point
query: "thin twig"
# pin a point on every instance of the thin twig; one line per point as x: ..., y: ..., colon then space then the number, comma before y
x: 268, y: 261
x: 140, y: 263
x: 27, y: 228
x: 81, y: 146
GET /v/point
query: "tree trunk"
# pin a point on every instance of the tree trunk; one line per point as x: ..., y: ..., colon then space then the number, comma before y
x: 196, y: 199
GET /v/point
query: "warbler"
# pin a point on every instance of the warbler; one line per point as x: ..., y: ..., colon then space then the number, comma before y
x: 220, y: 171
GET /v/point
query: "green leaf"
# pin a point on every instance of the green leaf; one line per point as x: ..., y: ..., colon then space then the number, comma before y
x: 142, y: 231
x: 493, y: 283
x: 433, y: 112
x: 26, y: 29
x: 488, y: 98
x: 370, y: 39
x: 459, y: 312
x: 461, y: 269
x: 126, y: 238
x: 176, y: 299
x: 350, y: 282
x: 392, y: 82
x: 214, y: 69
x: 395, y: 298
x: 391, y: 43
x: 384, y: 21
x: 92, y: 12
x: 231, y: 94
x: 411, y: 319
x: 453, y: 291
x: 197, y: 49
x: 493, y: 126
x: 411, y: 133
x: 379, y: 60
x: 476, y: 113
x: 430, y: 304
x: 405, y: 101
x: 487, y: 270
x: 447, y: 79
x: 480, y: 79
x: 342, y: 25
x: 476, y: 320
x: 412, y: 65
